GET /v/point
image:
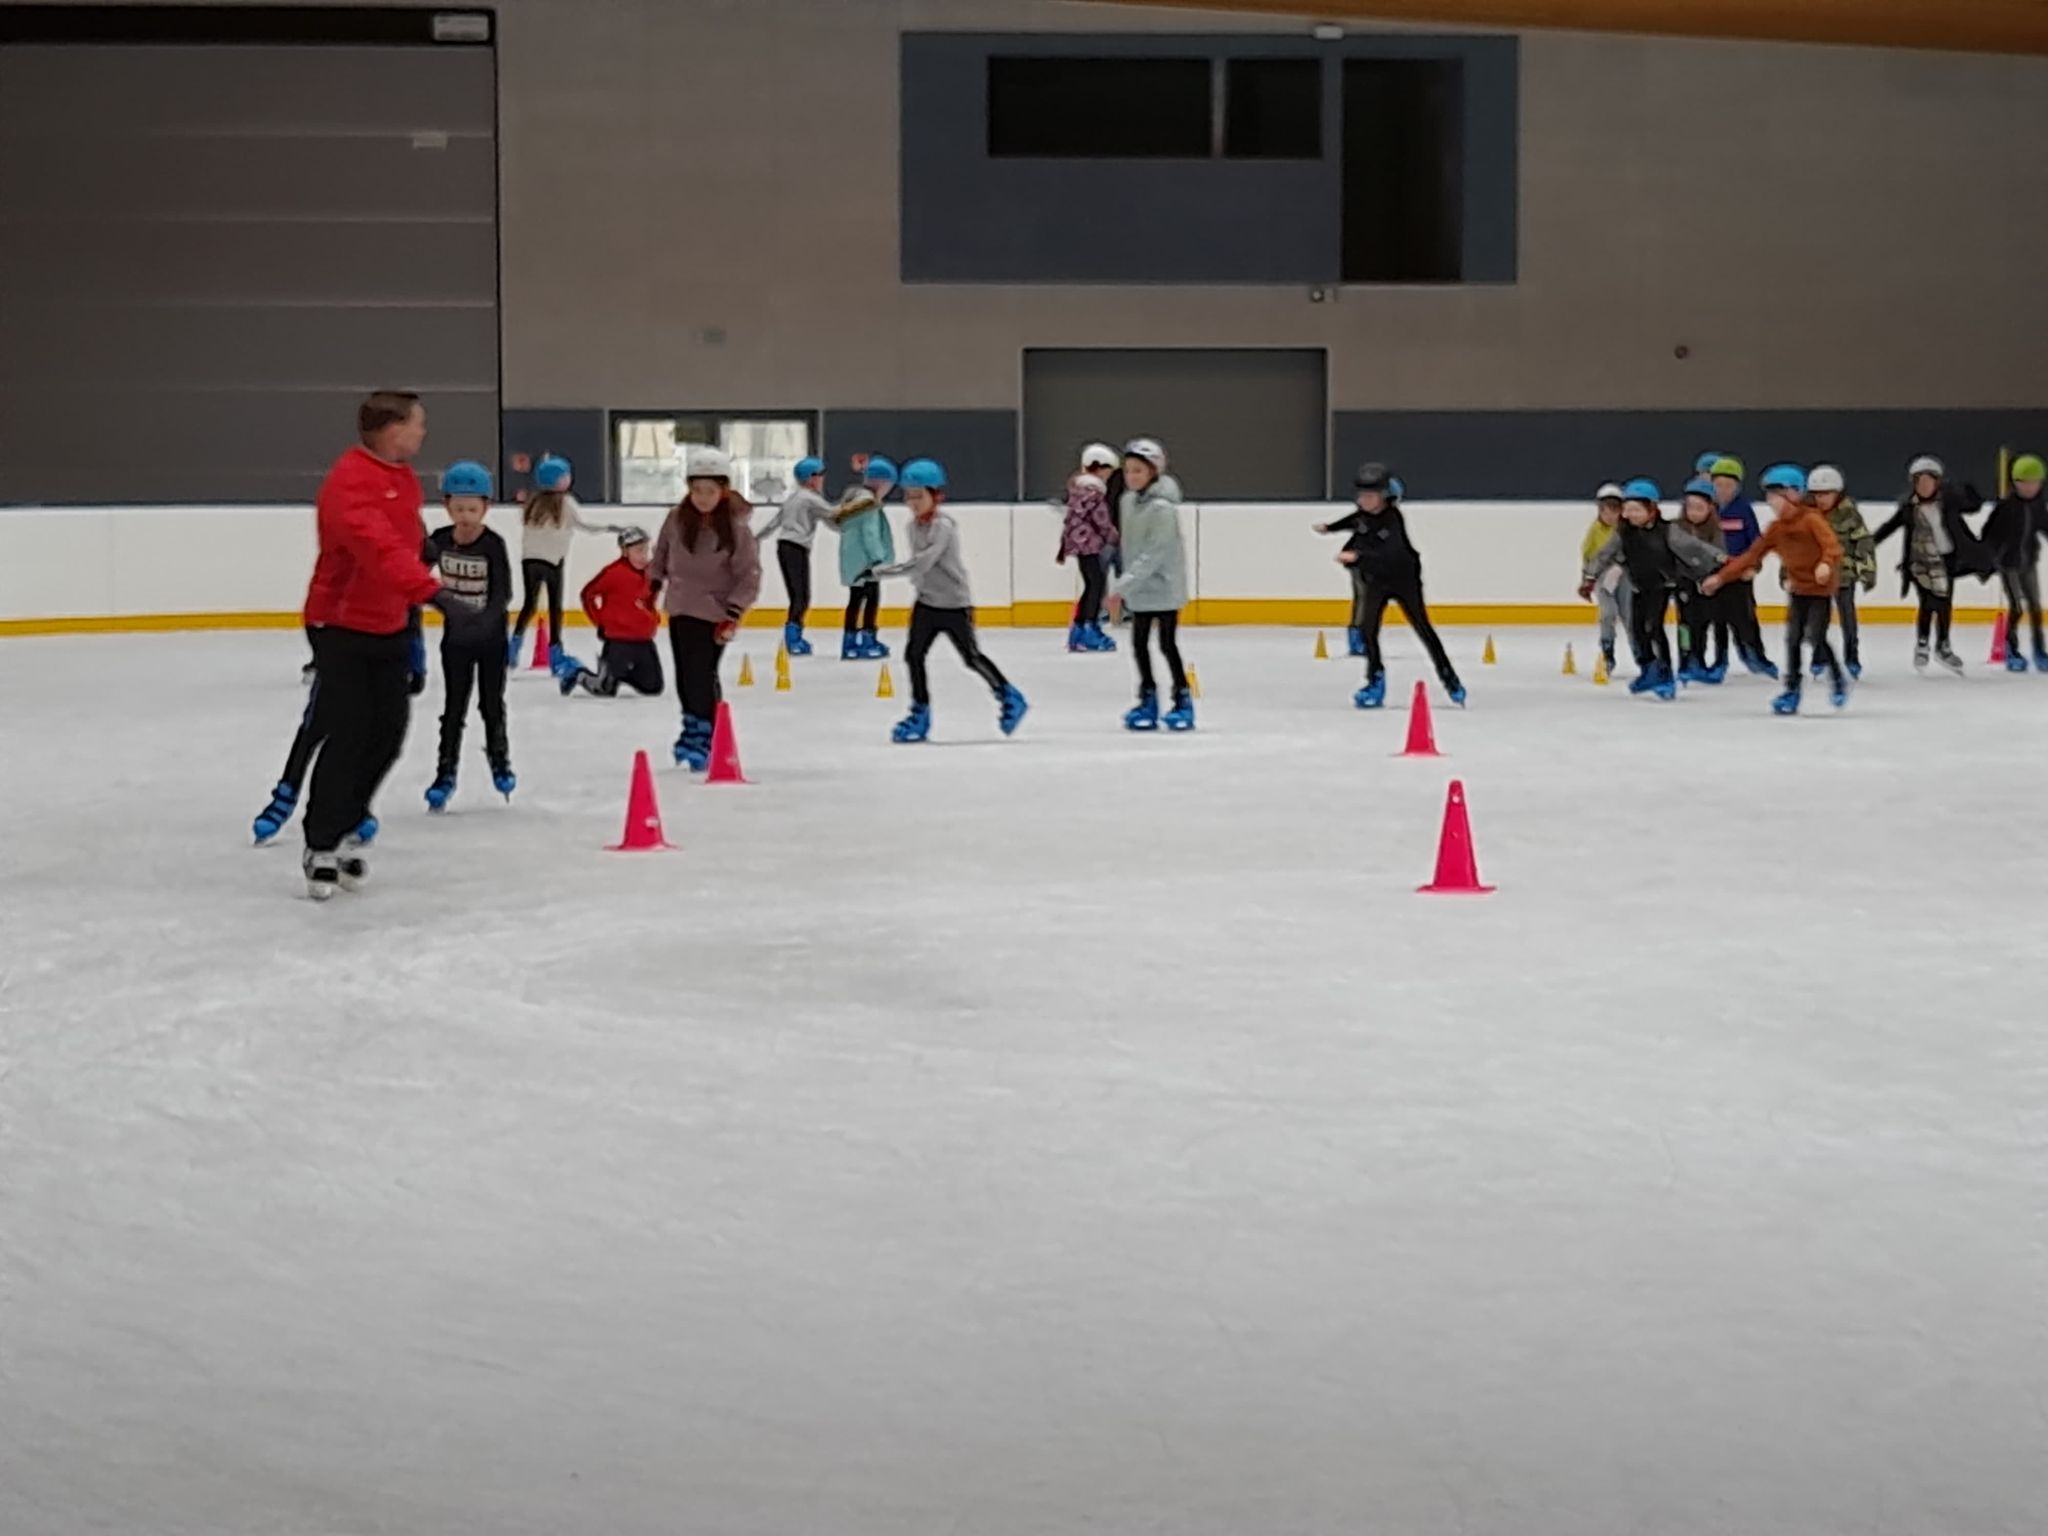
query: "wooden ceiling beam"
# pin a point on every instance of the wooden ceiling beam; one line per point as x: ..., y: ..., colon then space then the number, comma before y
x: 1972, y: 26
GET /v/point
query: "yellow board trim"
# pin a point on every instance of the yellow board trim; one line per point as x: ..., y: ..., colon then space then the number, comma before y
x: 1273, y: 612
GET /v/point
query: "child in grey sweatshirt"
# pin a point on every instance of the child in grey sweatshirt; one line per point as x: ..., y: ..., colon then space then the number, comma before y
x: 795, y: 524
x: 944, y: 606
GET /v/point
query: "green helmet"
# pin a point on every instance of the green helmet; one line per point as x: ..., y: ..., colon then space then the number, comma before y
x: 2028, y: 466
x: 1732, y: 467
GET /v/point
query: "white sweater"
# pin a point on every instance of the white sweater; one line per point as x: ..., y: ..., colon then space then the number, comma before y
x: 542, y: 541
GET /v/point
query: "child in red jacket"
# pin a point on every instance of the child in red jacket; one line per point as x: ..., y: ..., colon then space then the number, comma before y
x: 619, y: 602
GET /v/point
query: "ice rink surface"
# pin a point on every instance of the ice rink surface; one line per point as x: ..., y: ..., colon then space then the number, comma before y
x: 1075, y: 1133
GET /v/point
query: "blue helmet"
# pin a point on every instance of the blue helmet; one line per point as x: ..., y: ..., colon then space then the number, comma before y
x: 1395, y: 489
x: 923, y: 475
x: 1700, y: 485
x: 880, y: 468
x: 1640, y: 489
x: 553, y: 473
x: 1785, y: 477
x: 466, y: 477
x: 1704, y: 464
x: 805, y: 468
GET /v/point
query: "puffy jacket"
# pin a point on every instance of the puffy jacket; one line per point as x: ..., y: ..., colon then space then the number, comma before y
x: 1859, y: 550
x: 865, y: 539
x: 718, y: 585
x: 1803, y: 540
x: 369, y: 573
x: 1089, y: 528
x: 1155, y: 578
x: 619, y: 601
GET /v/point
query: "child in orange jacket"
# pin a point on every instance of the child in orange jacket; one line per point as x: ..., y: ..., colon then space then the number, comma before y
x: 1809, y: 552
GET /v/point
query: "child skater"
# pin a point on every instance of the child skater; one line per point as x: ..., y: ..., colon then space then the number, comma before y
x: 476, y: 573
x: 1613, y: 590
x: 2013, y: 534
x: 1739, y: 530
x: 552, y: 519
x: 1826, y: 488
x: 1390, y: 570
x: 1809, y: 553
x: 1939, y: 546
x: 1154, y: 585
x: 795, y: 525
x: 865, y: 542
x: 1087, y: 534
x: 1655, y: 554
x: 708, y: 565
x: 945, y: 605
x: 1699, y: 612
x: 619, y: 602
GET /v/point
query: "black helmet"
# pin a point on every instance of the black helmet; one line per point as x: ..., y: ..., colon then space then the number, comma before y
x: 1373, y: 476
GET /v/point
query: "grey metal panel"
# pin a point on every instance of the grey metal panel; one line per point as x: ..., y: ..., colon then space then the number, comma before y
x: 978, y: 448
x: 208, y: 254
x: 970, y: 217
x: 1566, y: 454
x: 578, y: 435
x: 1238, y: 424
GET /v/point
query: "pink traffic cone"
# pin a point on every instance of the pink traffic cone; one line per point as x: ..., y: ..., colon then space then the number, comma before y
x: 1457, y: 865
x: 725, y: 750
x: 542, y: 644
x: 643, y: 812
x: 1421, y: 732
x: 1998, y: 640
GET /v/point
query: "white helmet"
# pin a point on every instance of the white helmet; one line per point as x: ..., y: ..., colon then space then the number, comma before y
x: 1926, y: 464
x: 1148, y: 450
x: 1098, y: 453
x: 708, y: 464
x: 1825, y: 477
x: 1609, y: 492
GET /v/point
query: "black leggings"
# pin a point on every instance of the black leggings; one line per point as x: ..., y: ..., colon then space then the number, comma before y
x: 463, y: 669
x: 957, y: 625
x: 795, y: 561
x: 1936, y: 610
x: 1737, y: 611
x: 698, y: 651
x: 1411, y: 603
x: 1806, y: 623
x: 864, y: 607
x: 1169, y: 647
x: 364, y: 707
x: 2022, y: 591
x: 1845, y: 610
x: 634, y: 664
x: 1647, y: 625
x: 538, y: 574
x: 1093, y: 581
x: 1358, y: 598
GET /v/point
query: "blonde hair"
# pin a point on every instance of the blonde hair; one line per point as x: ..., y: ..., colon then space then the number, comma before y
x: 544, y: 509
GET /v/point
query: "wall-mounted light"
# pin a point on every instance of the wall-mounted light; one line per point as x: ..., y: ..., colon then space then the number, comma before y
x: 1327, y: 32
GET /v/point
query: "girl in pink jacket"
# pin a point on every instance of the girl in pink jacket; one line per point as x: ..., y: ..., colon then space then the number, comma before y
x: 1089, y: 531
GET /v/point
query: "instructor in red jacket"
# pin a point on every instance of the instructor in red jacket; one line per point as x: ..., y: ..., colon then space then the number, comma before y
x: 367, y: 580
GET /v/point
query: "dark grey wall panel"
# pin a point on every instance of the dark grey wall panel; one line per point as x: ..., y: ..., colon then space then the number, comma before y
x: 978, y: 448
x: 968, y: 217
x: 1239, y: 424
x: 208, y: 254
x: 1551, y: 455
x: 577, y: 435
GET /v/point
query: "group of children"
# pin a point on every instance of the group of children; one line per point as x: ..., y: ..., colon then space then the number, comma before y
x: 1636, y: 564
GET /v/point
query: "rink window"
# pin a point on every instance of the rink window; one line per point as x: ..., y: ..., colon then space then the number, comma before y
x: 1101, y: 109
x: 1273, y: 109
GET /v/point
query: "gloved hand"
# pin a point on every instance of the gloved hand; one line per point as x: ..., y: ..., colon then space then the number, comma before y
x: 416, y: 684
x: 1585, y: 591
x: 726, y: 631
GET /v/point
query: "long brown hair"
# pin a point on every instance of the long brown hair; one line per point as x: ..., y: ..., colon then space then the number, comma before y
x: 544, y: 509
x: 689, y: 520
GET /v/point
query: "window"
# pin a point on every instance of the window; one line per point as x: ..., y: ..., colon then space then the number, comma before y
x: 1404, y: 181
x: 1273, y: 109
x: 654, y: 450
x: 1095, y: 109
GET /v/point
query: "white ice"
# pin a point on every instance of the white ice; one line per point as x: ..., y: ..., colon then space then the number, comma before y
x: 1071, y: 1133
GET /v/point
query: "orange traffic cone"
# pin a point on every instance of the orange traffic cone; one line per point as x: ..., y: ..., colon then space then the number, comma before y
x: 541, y: 647
x: 1998, y: 639
x: 643, y: 812
x: 1457, y: 865
x: 725, y: 750
x: 1421, y: 733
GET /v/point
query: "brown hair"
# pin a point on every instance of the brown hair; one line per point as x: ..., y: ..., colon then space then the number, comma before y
x: 543, y: 510
x: 690, y: 520
x: 383, y: 408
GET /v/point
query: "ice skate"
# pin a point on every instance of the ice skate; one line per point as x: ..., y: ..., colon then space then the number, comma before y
x: 1077, y: 639
x: 1644, y: 680
x: 1453, y: 689
x: 1856, y: 670
x: 1373, y: 695
x: 1786, y: 703
x: 915, y: 726
x: 1760, y: 664
x: 504, y: 780
x: 2015, y: 662
x: 352, y: 868
x: 323, y: 875
x: 440, y: 792
x: 2040, y: 659
x: 693, y: 746
x: 1948, y: 658
x: 849, y: 647
x: 1662, y: 683
x: 512, y: 649
x: 1145, y: 715
x: 365, y: 833
x: 1182, y: 716
x: 1839, y: 694
x: 872, y: 648
x: 273, y: 818
x: 1010, y: 709
x: 1920, y: 657
x: 1098, y: 641
x: 793, y: 640
x: 306, y: 675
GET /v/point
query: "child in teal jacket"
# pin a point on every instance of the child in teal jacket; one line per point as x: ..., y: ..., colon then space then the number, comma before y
x: 865, y: 543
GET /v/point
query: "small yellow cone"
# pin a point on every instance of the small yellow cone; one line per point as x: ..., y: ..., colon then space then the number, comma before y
x: 746, y: 671
x: 1571, y: 667
x: 1600, y: 671
x: 1194, y: 682
x: 781, y: 670
x: 1488, y: 658
x: 1322, y: 647
x: 886, y: 687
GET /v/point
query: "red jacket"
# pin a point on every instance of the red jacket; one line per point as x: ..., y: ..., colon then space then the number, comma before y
x: 369, y: 574
x: 620, y: 602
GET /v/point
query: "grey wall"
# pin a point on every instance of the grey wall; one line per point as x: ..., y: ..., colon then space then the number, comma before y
x: 209, y: 254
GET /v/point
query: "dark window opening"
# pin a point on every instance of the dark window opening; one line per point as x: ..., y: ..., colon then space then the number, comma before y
x: 1273, y: 109
x: 1404, y: 183
x: 1097, y: 109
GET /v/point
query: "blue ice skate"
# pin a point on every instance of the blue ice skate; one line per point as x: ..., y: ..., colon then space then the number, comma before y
x: 1644, y: 680
x: 440, y: 792
x: 1453, y: 689
x: 915, y: 726
x: 1096, y: 640
x: 850, y: 647
x: 1856, y: 670
x: 1077, y: 639
x: 1693, y: 672
x: 1786, y: 703
x: 1354, y: 640
x: 512, y: 647
x: 1839, y: 695
x: 871, y: 648
x: 273, y: 818
x: 1144, y: 716
x: 793, y: 640
x: 693, y: 746
x: 1716, y: 675
x: 2040, y: 659
x: 2015, y: 662
x: 365, y: 832
x: 1760, y: 665
x: 504, y: 781
x: 1818, y: 669
x: 1373, y: 695
x: 1011, y: 709
x: 1663, y: 684
x: 1182, y: 716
